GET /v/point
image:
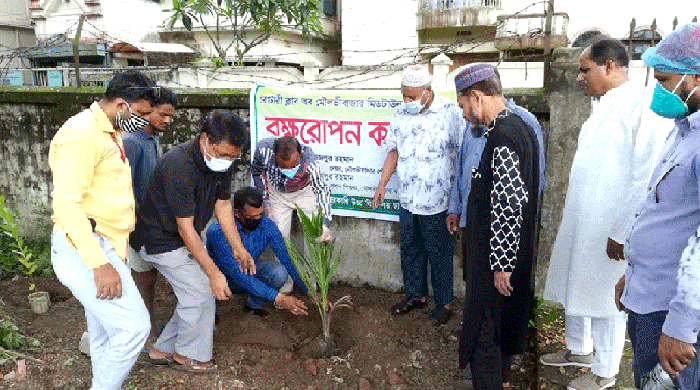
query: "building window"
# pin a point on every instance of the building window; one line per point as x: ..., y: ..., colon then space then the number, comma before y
x: 329, y: 7
x: 642, y: 38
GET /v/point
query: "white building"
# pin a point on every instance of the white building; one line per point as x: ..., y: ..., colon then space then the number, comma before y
x: 16, y: 31
x: 133, y: 21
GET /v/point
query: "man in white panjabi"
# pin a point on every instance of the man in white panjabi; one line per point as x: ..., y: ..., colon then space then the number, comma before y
x: 617, y: 148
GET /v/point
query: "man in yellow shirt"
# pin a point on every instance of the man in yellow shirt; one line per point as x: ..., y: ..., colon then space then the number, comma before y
x: 93, y: 206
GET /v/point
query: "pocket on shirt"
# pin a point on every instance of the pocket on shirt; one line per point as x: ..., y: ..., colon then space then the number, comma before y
x: 676, y: 185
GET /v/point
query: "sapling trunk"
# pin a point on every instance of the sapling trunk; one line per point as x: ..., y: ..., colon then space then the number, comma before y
x: 317, y: 269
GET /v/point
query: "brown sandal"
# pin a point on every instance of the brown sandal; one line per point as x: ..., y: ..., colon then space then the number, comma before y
x: 194, y: 366
x: 160, y: 358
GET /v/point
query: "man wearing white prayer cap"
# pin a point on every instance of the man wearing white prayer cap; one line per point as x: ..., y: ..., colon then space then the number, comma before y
x: 422, y: 144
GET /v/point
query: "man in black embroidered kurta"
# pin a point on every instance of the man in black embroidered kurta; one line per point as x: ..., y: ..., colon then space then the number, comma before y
x: 499, y: 239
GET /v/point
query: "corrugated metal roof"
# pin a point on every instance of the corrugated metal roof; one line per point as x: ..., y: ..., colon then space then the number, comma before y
x: 151, y: 47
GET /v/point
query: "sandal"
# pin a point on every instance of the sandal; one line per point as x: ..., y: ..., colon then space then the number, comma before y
x: 194, y: 366
x: 439, y: 316
x: 407, y: 305
x: 161, y: 358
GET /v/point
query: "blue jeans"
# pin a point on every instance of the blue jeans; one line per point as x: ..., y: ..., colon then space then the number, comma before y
x: 645, y: 331
x: 425, y: 239
x: 272, y: 273
x: 118, y: 327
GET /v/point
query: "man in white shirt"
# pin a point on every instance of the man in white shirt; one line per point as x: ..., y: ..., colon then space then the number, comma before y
x: 617, y: 148
x: 423, y: 144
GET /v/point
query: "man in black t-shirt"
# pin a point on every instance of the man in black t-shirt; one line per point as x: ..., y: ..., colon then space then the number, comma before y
x: 188, y: 184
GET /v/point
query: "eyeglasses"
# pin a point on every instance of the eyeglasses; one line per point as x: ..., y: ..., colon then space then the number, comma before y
x: 219, y: 155
x: 156, y: 90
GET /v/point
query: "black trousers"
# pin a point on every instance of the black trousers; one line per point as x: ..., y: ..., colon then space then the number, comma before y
x: 489, y: 367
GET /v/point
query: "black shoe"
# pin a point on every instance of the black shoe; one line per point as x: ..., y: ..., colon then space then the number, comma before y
x: 262, y: 313
x: 439, y: 316
x: 407, y: 305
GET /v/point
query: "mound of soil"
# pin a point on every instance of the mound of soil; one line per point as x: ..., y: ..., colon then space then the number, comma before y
x: 376, y: 350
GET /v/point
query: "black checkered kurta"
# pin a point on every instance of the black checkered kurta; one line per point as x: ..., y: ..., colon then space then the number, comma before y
x: 500, y: 235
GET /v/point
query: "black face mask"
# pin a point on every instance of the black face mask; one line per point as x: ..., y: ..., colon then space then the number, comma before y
x: 249, y: 224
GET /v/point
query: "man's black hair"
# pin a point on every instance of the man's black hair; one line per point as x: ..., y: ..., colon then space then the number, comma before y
x: 132, y: 86
x: 609, y: 50
x: 284, y: 147
x: 167, y: 96
x: 250, y: 196
x: 224, y: 125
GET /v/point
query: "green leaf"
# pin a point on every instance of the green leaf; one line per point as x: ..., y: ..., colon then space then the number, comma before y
x: 187, y: 22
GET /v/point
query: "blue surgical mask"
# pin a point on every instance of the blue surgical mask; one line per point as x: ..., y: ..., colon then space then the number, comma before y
x: 668, y: 104
x: 291, y: 172
x: 216, y: 164
x: 415, y: 106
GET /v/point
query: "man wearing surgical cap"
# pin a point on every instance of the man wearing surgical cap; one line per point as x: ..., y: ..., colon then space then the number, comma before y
x: 661, y: 286
x: 499, y: 247
x: 617, y: 148
x: 422, y: 144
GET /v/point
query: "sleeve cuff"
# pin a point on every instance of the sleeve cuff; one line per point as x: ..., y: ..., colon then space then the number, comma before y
x: 682, y: 326
x: 326, y: 221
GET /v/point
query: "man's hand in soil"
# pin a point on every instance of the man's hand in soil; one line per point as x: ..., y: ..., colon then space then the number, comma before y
x: 614, y: 250
x: 502, y: 282
x: 319, y: 299
x: 292, y: 304
x: 219, y: 286
x: 108, y: 282
x: 674, y: 355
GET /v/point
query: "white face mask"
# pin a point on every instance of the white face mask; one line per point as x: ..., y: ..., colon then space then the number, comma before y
x: 216, y: 164
x: 415, y: 106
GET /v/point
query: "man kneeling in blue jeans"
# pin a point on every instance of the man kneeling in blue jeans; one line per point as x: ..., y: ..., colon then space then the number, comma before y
x: 257, y: 232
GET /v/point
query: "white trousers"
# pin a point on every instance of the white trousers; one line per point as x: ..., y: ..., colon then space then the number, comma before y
x: 280, y: 207
x: 604, y: 335
x: 118, y: 327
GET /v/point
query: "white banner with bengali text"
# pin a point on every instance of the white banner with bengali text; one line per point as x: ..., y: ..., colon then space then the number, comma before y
x: 345, y: 129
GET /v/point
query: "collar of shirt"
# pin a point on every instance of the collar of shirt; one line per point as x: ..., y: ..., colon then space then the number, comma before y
x: 102, y: 121
x: 197, y: 155
x: 688, y: 123
x: 143, y: 134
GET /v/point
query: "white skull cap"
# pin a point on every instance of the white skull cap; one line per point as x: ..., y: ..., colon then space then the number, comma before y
x: 415, y: 76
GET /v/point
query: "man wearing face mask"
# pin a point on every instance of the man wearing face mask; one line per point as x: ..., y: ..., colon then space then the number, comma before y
x: 661, y: 286
x: 289, y: 175
x: 188, y: 184
x: 617, y: 148
x: 423, y: 143
x: 142, y: 149
x: 93, y: 208
x: 499, y: 249
x: 257, y: 232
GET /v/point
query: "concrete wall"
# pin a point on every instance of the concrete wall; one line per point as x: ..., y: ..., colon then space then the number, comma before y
x: 30, y: 117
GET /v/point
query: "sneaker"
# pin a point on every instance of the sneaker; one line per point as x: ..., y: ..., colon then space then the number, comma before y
x: 566, y: 358
x: 591, y: 381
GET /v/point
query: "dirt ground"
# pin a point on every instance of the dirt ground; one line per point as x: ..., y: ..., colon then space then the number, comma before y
x: 550, y: 338
x: 379, y: 351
